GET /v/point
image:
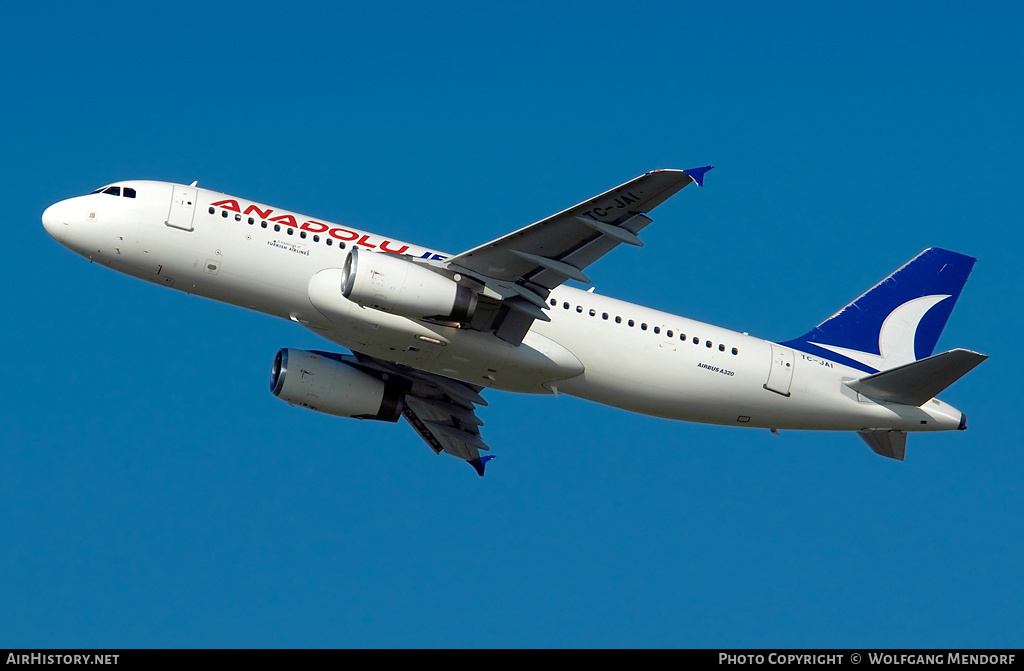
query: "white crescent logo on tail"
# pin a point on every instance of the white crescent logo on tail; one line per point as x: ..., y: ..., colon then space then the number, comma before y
x: 896, y: 337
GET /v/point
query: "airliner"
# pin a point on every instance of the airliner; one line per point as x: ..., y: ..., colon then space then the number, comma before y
x: 428, y: 332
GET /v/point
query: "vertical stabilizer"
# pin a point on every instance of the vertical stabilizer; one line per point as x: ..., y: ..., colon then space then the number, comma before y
x: 896, y: 322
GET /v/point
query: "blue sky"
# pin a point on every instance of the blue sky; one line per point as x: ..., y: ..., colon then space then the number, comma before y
x: 154, y: 493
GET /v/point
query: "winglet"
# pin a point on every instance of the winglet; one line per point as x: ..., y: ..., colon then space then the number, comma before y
x: 697, y: 174
x: 479, y: 463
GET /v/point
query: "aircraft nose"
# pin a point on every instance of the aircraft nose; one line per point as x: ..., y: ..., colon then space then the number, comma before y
x: 54, y: 222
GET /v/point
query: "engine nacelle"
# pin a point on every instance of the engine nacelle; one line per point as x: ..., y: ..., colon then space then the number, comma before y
x: 390, y: 283
x: 320, y: 383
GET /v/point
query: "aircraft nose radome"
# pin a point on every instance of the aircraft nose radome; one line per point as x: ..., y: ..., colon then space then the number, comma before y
x: 52, y: 221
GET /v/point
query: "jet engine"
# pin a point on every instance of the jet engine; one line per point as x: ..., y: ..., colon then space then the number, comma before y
x: 317, y: 381
x: 390, y: 283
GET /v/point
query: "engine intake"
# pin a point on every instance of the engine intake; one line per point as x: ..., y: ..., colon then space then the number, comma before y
x: 390, y: 283
x: 319, y: 382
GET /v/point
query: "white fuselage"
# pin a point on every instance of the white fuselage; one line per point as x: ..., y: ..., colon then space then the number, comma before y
x: 594, y: 347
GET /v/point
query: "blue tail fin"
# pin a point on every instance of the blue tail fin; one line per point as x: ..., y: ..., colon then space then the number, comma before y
x: 897, y: 321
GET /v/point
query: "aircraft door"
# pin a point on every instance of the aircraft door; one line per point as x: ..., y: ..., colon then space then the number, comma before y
x: 780, y: 376
x: 183, y: 207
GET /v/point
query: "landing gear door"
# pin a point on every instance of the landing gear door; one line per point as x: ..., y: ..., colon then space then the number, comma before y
x: 780, y: 376
x: 183, y: 207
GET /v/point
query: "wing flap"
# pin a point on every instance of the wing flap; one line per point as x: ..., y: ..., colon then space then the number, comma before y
x: 441, y: 410
x: 445, y: 427
x: 918, y: 382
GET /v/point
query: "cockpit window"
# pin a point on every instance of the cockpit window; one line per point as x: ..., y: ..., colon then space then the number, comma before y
x: 116, y: 191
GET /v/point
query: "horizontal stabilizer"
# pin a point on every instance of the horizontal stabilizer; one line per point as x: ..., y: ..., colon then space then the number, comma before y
x: 892, y: 444
x: 918, y: 382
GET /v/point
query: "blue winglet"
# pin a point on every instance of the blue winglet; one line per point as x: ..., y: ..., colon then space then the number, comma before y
x: 479, y: 464
x: 697, y: 174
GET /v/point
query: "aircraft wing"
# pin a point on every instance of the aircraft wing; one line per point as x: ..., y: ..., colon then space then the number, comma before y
x: 447, y: 427
x: 522, y: 267
x: 441, y: 410
x: 560, y: 247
